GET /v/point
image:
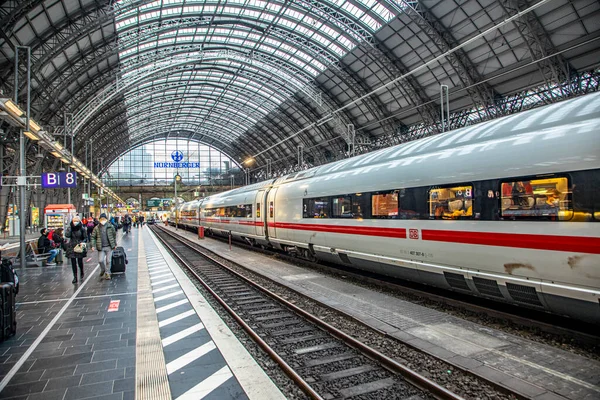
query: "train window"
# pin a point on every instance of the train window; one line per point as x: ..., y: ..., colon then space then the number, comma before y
x: 384, y: 205
x: 271, y: 209
x: 547, y: 198
x: 257, y: 210
x: 316, y: 208
x: 408, y: 205
x: 341, y: 207
x: 209, y: 212
x: 452, y: 202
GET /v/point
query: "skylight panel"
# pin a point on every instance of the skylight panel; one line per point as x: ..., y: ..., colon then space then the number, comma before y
x: 150, y: 15
x: 171, y: 11
x: 383, y: 12
x: 352, y: 9
x: 288, y: 23
x: 153, y: 4
x: 370, y: 22
x: 346, y: 42
x: 257, y: 3
x: 127, y: 22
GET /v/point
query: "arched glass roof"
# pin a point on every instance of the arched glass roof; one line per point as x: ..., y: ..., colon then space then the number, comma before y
x: 262, y: 78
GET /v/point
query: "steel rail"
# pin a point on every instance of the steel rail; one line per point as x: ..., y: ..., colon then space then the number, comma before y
x: 413, y: 377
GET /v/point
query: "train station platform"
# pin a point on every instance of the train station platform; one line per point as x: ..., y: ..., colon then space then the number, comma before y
x: 89, y: 341
x: 532, y: 369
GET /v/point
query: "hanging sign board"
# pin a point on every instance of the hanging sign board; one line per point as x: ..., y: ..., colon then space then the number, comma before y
x: 56, y: 180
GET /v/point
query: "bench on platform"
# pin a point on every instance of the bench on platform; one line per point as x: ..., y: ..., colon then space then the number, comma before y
x: 11, y: 252
x: 33, y: 255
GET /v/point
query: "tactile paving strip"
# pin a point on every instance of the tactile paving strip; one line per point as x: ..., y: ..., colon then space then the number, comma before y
x: 151, y: 381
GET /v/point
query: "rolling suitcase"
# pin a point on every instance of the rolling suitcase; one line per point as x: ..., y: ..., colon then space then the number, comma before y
x: 117, y: 265
x: 8, y: 314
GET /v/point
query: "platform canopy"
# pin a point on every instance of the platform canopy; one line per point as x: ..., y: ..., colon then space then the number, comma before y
x: 258, y: 79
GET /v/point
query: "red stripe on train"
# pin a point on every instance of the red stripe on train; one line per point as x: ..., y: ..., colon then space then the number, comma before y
x: 399, y: 233
x: 578, y: 244
x: 227, y: 221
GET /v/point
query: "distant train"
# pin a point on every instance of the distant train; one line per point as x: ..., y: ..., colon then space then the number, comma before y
x: 507, y: 210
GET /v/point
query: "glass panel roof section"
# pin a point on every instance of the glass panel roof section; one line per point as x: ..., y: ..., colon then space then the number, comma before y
x: 242, y: 53
x: 152, y: 164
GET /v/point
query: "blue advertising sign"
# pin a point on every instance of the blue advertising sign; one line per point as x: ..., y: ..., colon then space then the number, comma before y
x: 177, y: 156
x: 56, y: 180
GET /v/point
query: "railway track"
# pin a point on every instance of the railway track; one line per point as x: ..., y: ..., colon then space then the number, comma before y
x: 323, y: 361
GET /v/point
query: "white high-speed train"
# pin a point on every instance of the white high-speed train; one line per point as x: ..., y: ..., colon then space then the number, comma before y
x: 507, y: 210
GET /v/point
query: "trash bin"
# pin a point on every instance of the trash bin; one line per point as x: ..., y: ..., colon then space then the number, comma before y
x: 200, y: 232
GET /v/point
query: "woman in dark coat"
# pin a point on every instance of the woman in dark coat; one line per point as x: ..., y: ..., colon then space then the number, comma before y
x: 77, y: 234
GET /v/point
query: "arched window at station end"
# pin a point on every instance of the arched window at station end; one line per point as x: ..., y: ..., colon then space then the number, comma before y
x: 156, y: 163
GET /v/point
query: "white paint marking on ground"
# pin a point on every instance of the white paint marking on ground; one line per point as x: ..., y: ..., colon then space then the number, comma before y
x: 163, y: 281
x: 176, y: 318
x: 168, y: 296
x: 161, y: 276
x: 162, y: 289
x: 205, y: 387
x: 172, y: 305
x: 190, y: 357
x: 158, y: 270
x: 182, y: 334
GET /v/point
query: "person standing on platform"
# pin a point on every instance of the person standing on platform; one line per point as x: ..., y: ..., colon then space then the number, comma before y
x: 104, y: 239
x: 76, y: 248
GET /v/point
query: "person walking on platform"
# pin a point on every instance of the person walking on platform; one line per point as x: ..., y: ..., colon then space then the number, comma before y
x: 45, y: 246
x: 76, y: 248
x: 104, y: 239
x: 89, y: 228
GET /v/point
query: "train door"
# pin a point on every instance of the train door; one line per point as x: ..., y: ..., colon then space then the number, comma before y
x: 259, y: 217
x: 270, y: 210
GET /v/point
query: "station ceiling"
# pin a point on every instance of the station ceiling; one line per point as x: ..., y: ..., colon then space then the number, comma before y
x: 259, y: 78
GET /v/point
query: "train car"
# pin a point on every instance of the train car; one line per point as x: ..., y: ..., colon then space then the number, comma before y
x: 189, y: 214
x: 508, y: 210
x: 237, y: 212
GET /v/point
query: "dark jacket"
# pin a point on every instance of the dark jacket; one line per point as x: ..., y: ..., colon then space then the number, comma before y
x: 76, y: 234
x: 58, y: 239
x: 44, y: 244
x: 97, y: 236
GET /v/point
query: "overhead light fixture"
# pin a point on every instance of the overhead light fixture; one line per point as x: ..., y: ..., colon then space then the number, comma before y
x: 31, y: 135
x: 56, y: 154
x: 64, y: 160
x: 33, y: 126
x: 57, y: 146
x: 12, y: 108
x: 249, y: 161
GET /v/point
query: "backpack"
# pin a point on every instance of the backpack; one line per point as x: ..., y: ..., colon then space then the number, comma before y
x: 8, y: 274
x: 50, y: 233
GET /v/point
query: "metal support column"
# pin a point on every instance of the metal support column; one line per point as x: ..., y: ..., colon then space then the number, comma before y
x: 176, y: 202
x: 444, y: 92
x: 300, y: 156
x: 22, y: 179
